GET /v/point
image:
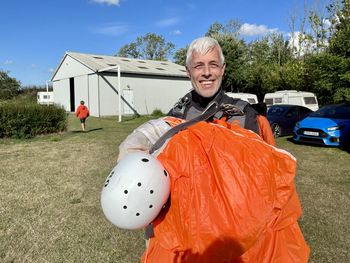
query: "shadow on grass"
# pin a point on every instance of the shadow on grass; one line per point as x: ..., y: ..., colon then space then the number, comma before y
x: 87, y: 131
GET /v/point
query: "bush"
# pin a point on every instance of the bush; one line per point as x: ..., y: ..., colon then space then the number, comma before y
x: 26, y: 120
x: 157, y: 113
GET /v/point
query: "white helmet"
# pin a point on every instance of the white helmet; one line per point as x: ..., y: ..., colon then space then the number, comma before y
x: 135, y: 191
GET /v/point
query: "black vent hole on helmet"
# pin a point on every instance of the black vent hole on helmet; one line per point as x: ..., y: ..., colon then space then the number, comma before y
x: 139, y: 184
x: 137, y: 214
x: 111, y: 174
x: 151, y: 192
x: 125, y: 207
x: 126, y: 191
x: 106, y: 183
x: 150, y: 206
x: 145, y: 160
x: 165, y: 173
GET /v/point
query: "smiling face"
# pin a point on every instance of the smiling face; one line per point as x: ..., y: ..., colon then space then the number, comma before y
x: 206, y: 72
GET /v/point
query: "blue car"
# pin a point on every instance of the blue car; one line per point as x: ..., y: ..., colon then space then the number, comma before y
x: 329, y: 126
x: 283, y: 117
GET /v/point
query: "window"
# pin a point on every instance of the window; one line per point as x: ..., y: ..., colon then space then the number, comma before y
x: 278, y: 100
x: 45, y: 97
x: 112, y: 65
x: 125, y: 59
x: 269, y: 101
x: 310, y: 100
x: 276, y: 111
x: 163, y: 63
x: 140, y: 61
x: 98, y: 57
x: 160, y: 68
x: 143, y: 67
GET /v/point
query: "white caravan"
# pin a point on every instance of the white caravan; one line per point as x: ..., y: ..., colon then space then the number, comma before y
x: 44, y: 97
x: 293, y: 97
x: 251, y: 98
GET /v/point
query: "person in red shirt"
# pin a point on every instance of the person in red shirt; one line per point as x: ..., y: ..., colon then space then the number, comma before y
x: 82, y: 113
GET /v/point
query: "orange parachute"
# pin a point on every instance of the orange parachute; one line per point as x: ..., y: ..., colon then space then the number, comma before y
x: 233, y: 199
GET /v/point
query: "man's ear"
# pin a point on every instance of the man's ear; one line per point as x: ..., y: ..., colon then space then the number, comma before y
x: 223, y: 69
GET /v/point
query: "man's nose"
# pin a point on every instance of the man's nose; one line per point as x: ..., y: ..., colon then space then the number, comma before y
x: 206, y: 70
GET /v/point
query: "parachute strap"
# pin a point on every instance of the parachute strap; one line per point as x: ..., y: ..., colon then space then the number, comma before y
x: 209, y: 112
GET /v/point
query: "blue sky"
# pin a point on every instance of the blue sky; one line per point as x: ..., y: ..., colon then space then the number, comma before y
x: 35, y: 34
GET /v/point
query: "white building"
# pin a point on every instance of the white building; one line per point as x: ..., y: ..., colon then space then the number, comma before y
x: 145, y: 85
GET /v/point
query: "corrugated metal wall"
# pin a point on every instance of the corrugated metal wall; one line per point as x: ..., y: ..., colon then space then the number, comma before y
x: 100, y: 91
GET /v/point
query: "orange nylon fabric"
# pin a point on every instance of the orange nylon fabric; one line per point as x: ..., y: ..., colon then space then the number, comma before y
x: 232, y: 199
x: 265, y: 130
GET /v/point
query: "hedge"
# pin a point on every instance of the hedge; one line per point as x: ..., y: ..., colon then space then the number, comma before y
x: 26, y: 120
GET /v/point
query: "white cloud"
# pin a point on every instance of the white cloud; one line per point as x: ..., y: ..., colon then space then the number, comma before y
x: 111, y: 29
x: 108, y: 2
x: 176, y: 32
x: 255, y: 30
x: 8, y: 62
x: 168, y: 22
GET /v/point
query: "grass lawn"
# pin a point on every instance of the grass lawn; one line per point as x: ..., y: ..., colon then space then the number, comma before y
x: 50, y: 188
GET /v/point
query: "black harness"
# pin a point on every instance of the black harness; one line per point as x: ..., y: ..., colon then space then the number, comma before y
x: 235, y: 110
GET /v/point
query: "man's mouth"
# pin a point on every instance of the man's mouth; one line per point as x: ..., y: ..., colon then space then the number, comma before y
x: 206, y: 82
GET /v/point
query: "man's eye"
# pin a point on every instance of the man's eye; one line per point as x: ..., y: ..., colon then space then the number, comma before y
x: 214, y: 65
x: 199, y: 66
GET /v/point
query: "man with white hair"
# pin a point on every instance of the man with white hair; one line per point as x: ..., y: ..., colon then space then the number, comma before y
x: 205, y: 65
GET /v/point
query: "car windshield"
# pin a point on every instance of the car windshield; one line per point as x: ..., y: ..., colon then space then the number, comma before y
x: 333, y: 112
x: 276, y: 111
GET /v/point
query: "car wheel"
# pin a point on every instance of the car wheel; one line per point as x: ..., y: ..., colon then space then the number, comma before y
x: 276, y: 130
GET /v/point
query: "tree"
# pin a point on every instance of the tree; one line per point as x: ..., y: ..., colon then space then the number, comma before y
x: 281, y: 52
x: 9, y: 87
x: 235, y: 53
x: 151, y: 46
x: 270, y: 66
x: 231, y: 28
x: 328, y: 73
x: 180, y: 56
x: 214, y: 29
x: 340, y: 40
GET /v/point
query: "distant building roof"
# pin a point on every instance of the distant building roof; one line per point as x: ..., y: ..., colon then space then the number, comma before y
x: 128, y: 65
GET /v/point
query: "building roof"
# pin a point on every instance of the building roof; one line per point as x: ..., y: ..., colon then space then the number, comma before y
x: 128, y: 65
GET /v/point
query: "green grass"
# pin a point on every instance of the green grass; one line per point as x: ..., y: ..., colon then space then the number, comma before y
x: 50, y: 189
